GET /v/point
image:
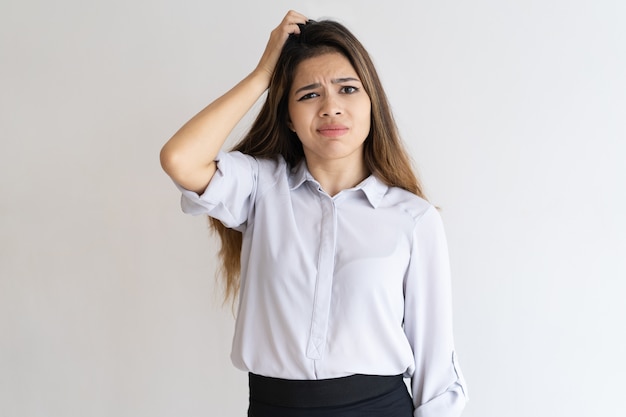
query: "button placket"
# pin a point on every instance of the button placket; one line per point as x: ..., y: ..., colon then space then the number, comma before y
x: 324, y: 279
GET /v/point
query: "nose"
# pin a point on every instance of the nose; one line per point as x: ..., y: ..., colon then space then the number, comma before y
x: 330, y: 106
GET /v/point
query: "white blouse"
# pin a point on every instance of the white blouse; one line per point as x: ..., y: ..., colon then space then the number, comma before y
x: 358, y: 283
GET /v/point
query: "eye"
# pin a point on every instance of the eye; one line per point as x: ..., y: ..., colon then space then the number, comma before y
x: 348, y: 89
x: 308, y: 96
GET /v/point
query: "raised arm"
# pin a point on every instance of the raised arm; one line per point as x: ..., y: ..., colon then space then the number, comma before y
x: 188, y: 157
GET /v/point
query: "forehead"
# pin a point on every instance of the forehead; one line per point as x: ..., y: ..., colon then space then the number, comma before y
x: 320, y: 67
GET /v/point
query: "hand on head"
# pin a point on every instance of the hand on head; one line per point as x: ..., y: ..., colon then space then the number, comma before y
x: 278, y: 37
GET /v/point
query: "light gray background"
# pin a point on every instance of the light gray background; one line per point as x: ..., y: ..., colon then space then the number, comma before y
x: 513, y: 110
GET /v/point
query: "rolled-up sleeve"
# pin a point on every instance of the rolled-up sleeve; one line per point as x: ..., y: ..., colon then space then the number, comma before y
x: 229, y: 194
x: 437, y: 384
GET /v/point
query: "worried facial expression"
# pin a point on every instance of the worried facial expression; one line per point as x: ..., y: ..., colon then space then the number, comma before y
x: 329, y: 109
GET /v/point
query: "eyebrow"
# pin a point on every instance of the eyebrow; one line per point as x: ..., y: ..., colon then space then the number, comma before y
x: 318, y: 85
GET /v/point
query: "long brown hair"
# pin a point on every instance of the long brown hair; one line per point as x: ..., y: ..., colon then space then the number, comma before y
x: 384, y: 154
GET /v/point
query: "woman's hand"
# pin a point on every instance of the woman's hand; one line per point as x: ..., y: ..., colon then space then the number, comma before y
x: 278, y: 37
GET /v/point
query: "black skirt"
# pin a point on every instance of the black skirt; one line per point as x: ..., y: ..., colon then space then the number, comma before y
x: 353, y: 396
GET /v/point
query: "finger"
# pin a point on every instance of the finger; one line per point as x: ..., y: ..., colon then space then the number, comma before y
x: 295, y: 15
x: 291, y: 21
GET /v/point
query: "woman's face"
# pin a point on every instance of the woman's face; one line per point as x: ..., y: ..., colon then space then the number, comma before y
x: 329, y: 109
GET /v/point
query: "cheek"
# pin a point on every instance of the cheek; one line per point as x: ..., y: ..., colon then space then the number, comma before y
x: 292, y: 113
x: 365, y: 107
x: 292, y: 119
x: 366, y: 113
x: 298, y: 118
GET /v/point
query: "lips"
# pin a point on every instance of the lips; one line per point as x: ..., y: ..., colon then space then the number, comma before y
x: 333, y: 131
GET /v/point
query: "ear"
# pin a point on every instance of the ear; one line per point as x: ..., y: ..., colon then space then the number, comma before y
x: 290, y: 126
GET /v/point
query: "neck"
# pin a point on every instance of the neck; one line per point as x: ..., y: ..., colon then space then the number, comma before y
x: 335, y: 176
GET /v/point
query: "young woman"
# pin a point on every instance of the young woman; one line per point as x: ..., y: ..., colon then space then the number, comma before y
x: 339, y: 263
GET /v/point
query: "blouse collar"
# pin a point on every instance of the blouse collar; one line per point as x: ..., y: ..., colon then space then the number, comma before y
x: 372, y: 187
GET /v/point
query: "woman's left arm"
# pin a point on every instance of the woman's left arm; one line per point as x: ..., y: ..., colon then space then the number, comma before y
x: 437, y: 384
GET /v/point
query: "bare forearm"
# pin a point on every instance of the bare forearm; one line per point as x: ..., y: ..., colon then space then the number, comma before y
x: 188, y: 157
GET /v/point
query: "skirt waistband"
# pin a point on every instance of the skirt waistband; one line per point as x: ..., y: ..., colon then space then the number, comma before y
x: 320, y: 393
